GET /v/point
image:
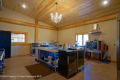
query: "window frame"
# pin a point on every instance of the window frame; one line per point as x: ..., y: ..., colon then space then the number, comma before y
x: 20, y: 43
x: 82, y: 33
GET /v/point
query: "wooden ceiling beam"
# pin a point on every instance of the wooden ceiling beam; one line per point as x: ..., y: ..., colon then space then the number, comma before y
x: 48, y: 27
x: 26, y: 23
x: 101, y: 19
x: 16, y: 22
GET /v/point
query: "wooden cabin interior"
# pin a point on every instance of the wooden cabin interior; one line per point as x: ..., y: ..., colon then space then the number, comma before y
x: 59, y: 39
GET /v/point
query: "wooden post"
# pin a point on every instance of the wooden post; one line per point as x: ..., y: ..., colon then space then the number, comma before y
x: 36, y: 32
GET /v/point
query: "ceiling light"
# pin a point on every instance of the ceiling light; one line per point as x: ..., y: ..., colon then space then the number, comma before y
x: 56, y: 17
x: 24, y: 6
x: 105, y: 2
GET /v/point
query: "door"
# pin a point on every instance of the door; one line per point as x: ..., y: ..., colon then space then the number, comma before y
x: 118, y: 49
x: 5, y: 42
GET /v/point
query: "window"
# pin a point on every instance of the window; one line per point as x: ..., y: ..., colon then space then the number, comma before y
x: 18, y: 37
x: 82, y: 39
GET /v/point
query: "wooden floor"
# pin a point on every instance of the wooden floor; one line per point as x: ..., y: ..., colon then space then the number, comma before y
x: 93, y: 70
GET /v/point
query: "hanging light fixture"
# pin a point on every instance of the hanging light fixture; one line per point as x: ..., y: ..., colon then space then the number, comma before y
x: 56, y: 17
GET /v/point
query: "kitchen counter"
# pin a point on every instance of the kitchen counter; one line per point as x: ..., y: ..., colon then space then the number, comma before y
x: 66, y: 62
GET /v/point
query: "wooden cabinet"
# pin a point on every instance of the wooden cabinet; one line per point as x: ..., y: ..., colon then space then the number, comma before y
x: 69, y: 62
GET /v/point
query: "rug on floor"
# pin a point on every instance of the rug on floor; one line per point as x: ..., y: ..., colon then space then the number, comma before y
x: 39, y: 70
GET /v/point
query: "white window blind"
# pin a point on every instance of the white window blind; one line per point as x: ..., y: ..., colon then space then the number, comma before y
x: 82, y: 39
x: 17, y: 37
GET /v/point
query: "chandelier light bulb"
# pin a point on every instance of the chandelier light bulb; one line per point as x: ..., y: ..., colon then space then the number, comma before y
x: 56, y: 17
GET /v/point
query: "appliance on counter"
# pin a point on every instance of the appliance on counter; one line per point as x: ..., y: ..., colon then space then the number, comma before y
x: 70, y: 62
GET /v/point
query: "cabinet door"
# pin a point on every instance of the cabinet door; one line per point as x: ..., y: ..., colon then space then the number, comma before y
x: 72, y: 66
x: 80, y: 57
x: 5, y: 42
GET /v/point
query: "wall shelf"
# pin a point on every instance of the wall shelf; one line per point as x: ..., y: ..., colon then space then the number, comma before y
x: 96, y: 32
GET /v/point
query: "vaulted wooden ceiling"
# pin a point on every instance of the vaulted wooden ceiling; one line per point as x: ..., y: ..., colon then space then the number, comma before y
x: 73, y: 11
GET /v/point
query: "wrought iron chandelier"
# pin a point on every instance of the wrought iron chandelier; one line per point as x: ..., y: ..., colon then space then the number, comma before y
x: 56, y: 17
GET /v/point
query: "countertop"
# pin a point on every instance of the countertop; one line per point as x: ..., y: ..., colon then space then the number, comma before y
x: 55, y: 49
x: 50, y: 49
